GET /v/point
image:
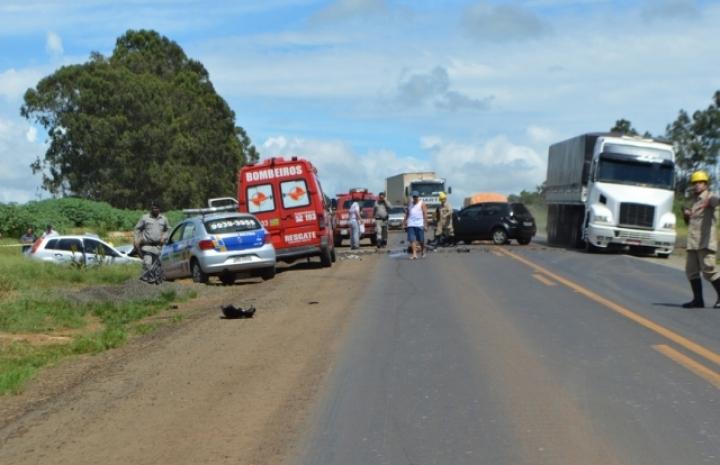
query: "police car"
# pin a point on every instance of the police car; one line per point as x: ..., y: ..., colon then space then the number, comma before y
x: 221, y: 244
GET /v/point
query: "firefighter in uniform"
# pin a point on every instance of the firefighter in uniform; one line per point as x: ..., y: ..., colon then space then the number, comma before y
x: 444, y: 232
x: 701, y: 239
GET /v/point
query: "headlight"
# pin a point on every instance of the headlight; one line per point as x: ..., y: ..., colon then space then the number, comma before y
x: 669, y: 226
x: 601, y: 219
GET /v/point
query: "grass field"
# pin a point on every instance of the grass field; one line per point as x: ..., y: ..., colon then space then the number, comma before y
x: 39, y: 324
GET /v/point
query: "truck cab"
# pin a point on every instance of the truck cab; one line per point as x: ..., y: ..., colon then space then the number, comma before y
x: 366, y: 201
x: 285, y: 195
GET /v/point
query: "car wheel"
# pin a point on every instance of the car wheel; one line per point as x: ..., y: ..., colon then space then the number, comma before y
x: 267, y: 273
x: 227, y: 278
x: 524, y: 241
x: 663, y: 255
x: 337, y: 241
x: 326, y: 258
x: 499, y: 236
x: 198, y: 275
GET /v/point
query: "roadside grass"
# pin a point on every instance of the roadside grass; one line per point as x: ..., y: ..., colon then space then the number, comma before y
x: 38, y: 327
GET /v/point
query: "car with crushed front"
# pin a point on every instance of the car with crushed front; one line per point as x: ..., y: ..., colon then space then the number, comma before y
x: 84, y: 250
x: 496, y: 221
x: 222, y: 244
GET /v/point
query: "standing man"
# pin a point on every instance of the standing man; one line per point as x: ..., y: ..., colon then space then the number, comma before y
x: 381, y: 212
x: 151, y: 232
x: 444, y: 233
x: 49, y: 231
x: 355, y: 219
x: 415, y: 222
x: 27, y: 240
x: 701, y: 239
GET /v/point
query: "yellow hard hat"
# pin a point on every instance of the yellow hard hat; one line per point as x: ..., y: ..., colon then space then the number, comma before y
x: 699, y: 176
x: 442, y: 195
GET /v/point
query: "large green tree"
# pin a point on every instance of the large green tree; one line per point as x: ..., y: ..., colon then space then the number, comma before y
x: 144, y: 123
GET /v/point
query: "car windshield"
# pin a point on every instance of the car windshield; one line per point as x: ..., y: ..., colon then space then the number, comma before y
x: 367, y: 203
x: 624, y: 171
x: 231, y: 224
x: 520, y: 209
x: 397, y: 210
x: 427, y: 188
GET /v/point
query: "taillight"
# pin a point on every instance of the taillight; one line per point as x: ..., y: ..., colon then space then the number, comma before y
x: 206, y: 244
x: 321, y: 220
x: 36, y: 246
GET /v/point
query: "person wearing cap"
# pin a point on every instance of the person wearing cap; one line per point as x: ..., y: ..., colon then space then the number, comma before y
x: 444, y: 233
x: 701, y: 239
x: 151, y: 232
x: 381, y: 212
x: 416, y: 225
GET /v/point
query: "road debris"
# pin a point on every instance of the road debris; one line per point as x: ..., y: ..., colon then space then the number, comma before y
x: 231, y: 312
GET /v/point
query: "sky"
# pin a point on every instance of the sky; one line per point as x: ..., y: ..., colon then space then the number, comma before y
x: 365, y: 89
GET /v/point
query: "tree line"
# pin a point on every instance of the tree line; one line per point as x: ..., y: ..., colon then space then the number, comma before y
x: 142, y: 124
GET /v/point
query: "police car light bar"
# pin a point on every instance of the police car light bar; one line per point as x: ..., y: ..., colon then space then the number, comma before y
x: 214, y: 206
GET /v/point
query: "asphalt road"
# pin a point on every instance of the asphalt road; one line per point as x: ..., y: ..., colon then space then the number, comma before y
x: 522, y: 355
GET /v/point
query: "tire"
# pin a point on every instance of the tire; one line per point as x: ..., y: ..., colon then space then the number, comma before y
x: 663, y: 255
x: 373, y: 241
x: 589, y: 248
x: 267, y: 273
x: 333, y: 255
x: 326, y: 258
x: 227, y: 278
x: 198, y: 275
x: 524, y: 241
x: 499, y: 236
x: 337, y: 241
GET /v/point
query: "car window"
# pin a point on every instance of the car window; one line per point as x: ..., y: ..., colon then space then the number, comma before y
x: 70, y: 245
x: 96, y: 247
x: 188, y: 232
x: 177, y: 233
x: 396, y: 210
x: 51, y: 244
x: 294, y: 193
x: 494, y: 209
x: 231, y: 224
x: 260, y: 198
x: 367, y: 203
x: 471, y: 212
x: 520, y: 209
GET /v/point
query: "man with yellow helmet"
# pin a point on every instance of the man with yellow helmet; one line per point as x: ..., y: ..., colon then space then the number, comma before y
x: 444, y: 232
x: 701, y: 239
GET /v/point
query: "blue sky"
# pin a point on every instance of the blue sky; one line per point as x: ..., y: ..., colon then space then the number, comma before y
x: 475, y: 90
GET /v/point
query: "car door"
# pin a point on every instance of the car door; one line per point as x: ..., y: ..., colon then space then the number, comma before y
x: 468, y: 222
x: 489, y: 217
x: 184, y: 249
x: 97, y: 253
x: 69, y: 250
x: 169, y: 254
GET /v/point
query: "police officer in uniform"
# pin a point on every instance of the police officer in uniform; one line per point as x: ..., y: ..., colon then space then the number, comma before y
x: 151, y: 232
x: 701, y: 239
x: 444, y: 232
x: 381, y: 211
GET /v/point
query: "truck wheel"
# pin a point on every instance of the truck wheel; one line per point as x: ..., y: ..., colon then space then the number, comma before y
x: 589, y: 248
x: 333, y: 255
x: 267, y: 273
x: 373, y: 241
x: 337, y: 241
x: 325, y: 258
x: 198, y: 275
x: 499, y: 236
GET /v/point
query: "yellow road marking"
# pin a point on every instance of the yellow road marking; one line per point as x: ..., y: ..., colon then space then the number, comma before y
x: 697, y: 368
x: 544, y: 280
x: 496, y: 253
x: 641, y: 320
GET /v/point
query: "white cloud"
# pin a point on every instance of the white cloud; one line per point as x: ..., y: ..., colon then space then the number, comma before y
x: 14, y: 83
x: 53, y: 44
x: 17, y: 152
x: 434, y: 87
x: 498, y: 165
x: 31, y: 134
x: 503, y: 23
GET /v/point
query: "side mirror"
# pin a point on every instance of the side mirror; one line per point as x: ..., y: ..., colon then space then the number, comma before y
x: 333, y: 204
x: 449, y: 190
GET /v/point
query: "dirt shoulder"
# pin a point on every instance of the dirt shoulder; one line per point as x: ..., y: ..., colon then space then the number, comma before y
x: 207, y: 390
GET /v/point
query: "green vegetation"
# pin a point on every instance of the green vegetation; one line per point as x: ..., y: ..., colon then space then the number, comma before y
x: 40, y: 324
x: 68, y: 214
x: 142, y: 124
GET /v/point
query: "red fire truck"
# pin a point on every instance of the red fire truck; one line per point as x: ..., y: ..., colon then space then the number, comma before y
x: 366, y: 201
x: 286, y: 197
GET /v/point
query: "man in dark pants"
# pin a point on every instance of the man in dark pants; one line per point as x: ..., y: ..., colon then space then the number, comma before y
x: 701, y: 240
x: 151, y: 232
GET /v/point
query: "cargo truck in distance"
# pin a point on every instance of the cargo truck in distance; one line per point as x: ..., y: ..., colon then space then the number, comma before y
x: 608, y: 190
x: 399, y: 187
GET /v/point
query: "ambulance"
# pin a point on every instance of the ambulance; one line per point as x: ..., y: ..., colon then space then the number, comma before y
x: 286, y: 197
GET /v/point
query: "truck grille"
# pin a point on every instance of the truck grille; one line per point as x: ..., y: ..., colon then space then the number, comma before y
x: 637, y: 215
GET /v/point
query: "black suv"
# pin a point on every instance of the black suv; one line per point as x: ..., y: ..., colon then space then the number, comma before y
x: 497, y: 221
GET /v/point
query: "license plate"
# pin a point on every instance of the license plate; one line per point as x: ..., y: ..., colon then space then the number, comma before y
x: 633, y: 242
x: 344, y: 232
x: 527, y: 223
x: 243, y: 259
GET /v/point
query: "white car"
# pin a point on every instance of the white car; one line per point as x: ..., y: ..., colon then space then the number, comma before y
x: 85, y: 250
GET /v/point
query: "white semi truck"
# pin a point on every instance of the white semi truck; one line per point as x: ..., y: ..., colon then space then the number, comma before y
x: 605, y: 190
x: 399, y: 187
